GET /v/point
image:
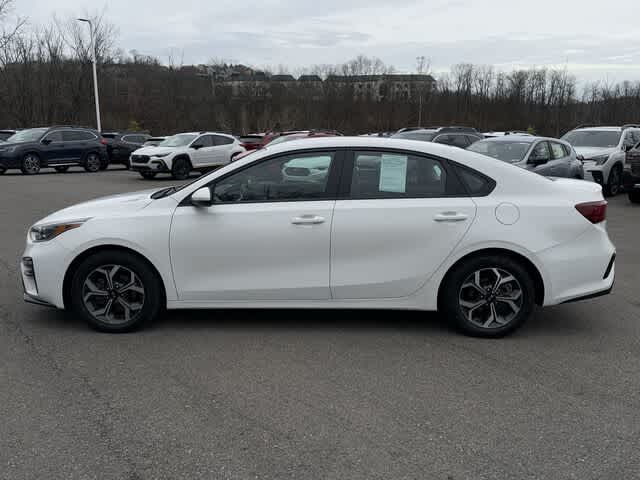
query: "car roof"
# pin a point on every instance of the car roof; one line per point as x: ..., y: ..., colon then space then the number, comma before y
x: 604, y: 128
x: 524, y: 138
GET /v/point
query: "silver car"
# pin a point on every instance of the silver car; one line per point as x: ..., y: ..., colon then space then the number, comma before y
x: 547, y: 156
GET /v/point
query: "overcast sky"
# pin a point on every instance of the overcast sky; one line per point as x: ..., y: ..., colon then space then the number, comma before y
x: 596, y: 40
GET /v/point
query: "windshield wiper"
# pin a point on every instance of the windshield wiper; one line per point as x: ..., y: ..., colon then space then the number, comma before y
x: 164, y: 192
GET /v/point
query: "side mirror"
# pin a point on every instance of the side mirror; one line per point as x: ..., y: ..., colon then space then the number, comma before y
x: 46, y: 141
x: 197, y: 146
x: 201, y: 197
x: 538, y: 161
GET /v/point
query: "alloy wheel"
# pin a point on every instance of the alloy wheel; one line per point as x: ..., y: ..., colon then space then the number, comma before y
x: 491, y: 298
x: 614, y: 181
x: 93, y: 162
x: 113, y: 294
x: 31, y: 164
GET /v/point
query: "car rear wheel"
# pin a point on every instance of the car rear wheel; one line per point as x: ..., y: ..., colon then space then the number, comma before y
x: 634, y: 196
x: 92, y: 163
x: 614, y: 182
x: 62, y: 169
x: 30, y: 164
x: 148, y: 175
x: 181, y: 169
x: 115, y: 291
x: 488, y: 296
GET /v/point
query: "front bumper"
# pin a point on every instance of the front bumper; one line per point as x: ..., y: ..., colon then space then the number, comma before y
x: 153, y: 165
x: 8, y: 161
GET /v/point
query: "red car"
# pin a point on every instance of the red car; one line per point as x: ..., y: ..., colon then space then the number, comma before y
x: 272, y: 138
x: 252, y: 141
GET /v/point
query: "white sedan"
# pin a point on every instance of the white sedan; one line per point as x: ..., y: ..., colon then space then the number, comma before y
x: 389, y: 224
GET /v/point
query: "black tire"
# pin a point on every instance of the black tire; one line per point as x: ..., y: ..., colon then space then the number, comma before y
x: 2, y: 170
x: 634, y: 196
x: 148, y: 304
x: 181, y: 168
x: 92, y: 162
x: 148, y: 175
x: 62, y: 169
x: 485, y: 300
x: 614, y: 182
x: 104, y: 164
x: 127, y: 164
x: 30, y: 164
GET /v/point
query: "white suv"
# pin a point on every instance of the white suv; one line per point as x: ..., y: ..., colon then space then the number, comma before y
x: 184, y: 152
x: 603, y: 150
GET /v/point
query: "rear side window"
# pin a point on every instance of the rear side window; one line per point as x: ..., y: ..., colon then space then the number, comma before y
x: 400, y: 175
x: 220, y: 140
x: 476, y: 184
x: 134, y: 139
x: 55, y: 136
x: 557, y: 150
x: 77, y: 135
x: 454, y: 140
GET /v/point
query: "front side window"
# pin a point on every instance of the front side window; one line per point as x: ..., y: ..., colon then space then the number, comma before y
x: 557, y: 150
x: 540, y: 153
x: 295, y: 177
x: 204, y: 141
x: 54, y: 136
x: 399, y: 175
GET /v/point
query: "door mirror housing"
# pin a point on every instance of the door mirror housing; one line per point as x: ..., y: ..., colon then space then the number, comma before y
x: 45, y: 141
x: 202, y: 197
x: 197, y: 146
x: 538, y: 161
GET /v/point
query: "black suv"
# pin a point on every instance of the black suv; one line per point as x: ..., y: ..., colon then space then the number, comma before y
x: 120, y: 145
x: 455, y: 136
x: 58, y: 147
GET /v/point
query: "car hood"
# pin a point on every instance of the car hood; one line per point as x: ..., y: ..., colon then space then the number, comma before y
x: 154, y: 150
x: 590, y: 152
x: 102, y: 207
x: 13, y: 144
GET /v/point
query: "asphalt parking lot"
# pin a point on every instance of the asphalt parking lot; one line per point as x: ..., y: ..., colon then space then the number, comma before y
x: 297, y: 394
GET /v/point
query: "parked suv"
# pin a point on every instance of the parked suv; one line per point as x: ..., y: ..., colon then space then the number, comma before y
x: 184, y: 152
x: 58, y: 147
x: 455, y: 136
x: 120, y: 145
x: 547, y: 156
x: 631, y: 174
x: 602, y: 150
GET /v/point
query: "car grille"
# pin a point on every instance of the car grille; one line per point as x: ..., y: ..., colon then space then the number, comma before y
x: 634, y: 160
x: 140, y: 158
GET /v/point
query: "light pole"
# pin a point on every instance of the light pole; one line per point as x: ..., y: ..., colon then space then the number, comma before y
x: 95, y: 74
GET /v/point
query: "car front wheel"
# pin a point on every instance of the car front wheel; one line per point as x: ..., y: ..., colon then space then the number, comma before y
x: 488, y: 296
x: 115, y: 291
x: 30, y: 164
x: 181, y: 169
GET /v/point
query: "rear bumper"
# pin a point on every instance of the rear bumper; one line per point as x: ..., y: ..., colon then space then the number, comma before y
x: 630, y: 181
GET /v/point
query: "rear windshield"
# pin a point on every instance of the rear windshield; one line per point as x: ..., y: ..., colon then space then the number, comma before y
x: 593, y: 138
x: 511, y: 152
x: 423, y: 136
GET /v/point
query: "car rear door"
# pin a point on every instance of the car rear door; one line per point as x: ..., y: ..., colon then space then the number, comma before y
x: 78, y: 143
x: 404, y: 215
x: 201, y: 151
x: 223, y: 147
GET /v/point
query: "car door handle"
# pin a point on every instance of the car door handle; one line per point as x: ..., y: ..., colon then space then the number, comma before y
x: 307, y: 220
x: 450, y: 217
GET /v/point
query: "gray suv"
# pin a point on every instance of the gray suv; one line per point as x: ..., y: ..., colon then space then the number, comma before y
x: 547, y: 156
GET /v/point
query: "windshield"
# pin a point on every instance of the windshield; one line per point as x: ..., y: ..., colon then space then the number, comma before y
x: 423, y: 136
x: 593, y: 138
x: 180, y: 140
x: 30, y: 135
x: 511, y: 152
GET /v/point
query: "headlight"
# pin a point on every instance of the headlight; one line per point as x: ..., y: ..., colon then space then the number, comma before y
x: 160, y: 155
x: 44, y: 233
x: 7, y: 149
x: 600, y: 159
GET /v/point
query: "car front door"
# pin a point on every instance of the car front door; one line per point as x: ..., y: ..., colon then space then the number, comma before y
x: 54, y: 148
x: 405, y: 215
x: 539, y: 158
x: 266, y: 236
x: 201, y: 151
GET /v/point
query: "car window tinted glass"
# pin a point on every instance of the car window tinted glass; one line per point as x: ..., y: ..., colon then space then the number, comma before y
x: 476, y: 183
x: 567, y: 150
x: 204, y: 141
x: 557, y: 150
x: 55, y: 136
x: 593, y: 138
x: 507, y: 151
x: 221, y: 140
x: 133, y: 139
x: 180, y: 140
x: 455, y: 140
x: 397, y: 175
x: 292, y: 177
x: 77, y: 135
x: 30, y: 135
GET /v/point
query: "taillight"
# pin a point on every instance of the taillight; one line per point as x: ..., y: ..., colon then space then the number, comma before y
x: 103, y: 141
x: 595, y: 212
